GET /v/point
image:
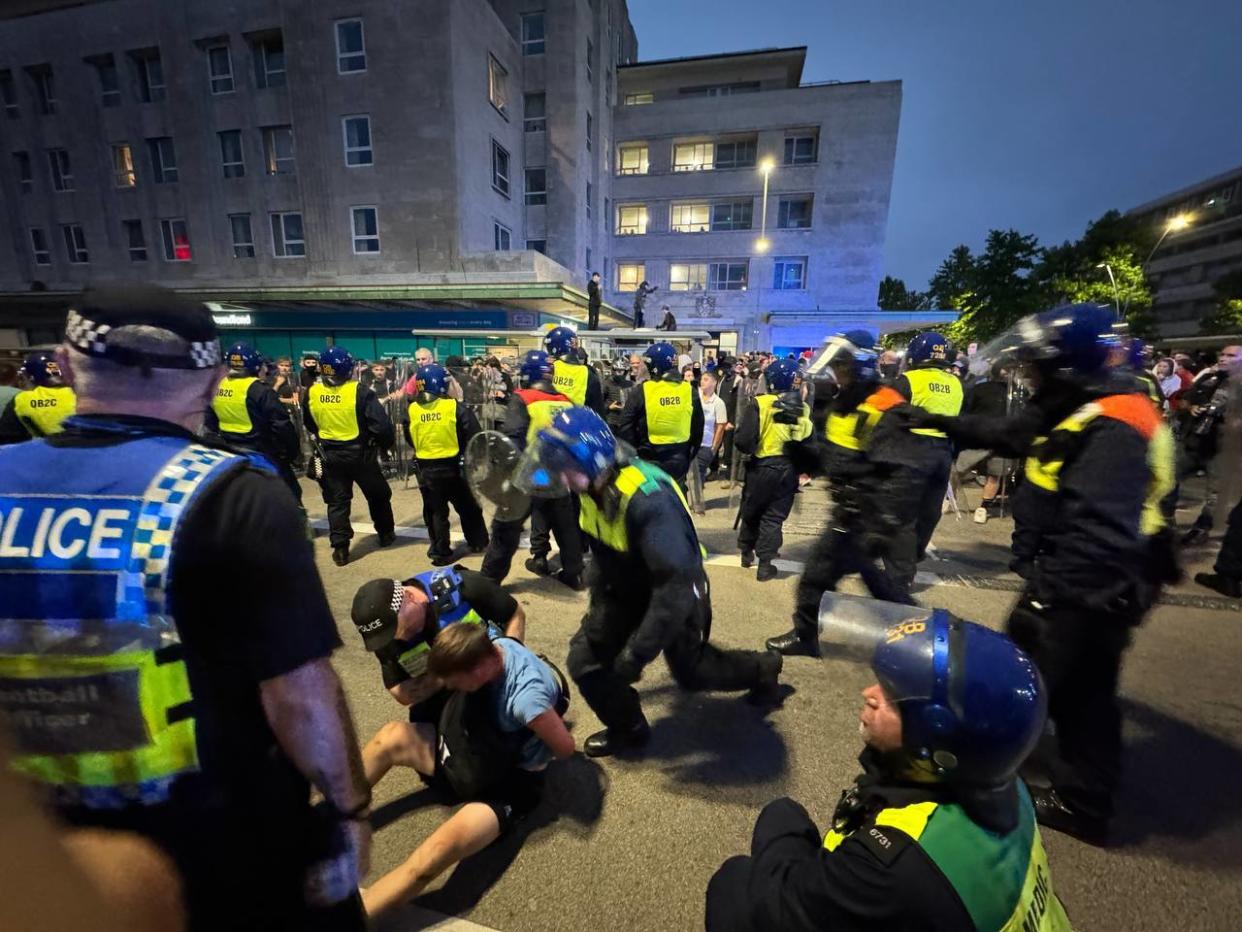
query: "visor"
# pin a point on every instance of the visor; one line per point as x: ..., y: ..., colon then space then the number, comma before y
x: 540, y: 472
x: 837, y: 349
x: 897, y: 641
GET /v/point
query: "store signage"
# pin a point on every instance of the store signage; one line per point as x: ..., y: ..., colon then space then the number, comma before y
x: 233, y: 320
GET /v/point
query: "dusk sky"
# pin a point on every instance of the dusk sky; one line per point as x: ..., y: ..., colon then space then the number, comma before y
x: 1033, y: 114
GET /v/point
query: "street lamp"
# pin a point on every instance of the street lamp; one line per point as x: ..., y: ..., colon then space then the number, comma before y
x: 767, y: 166
x: 1175, y: 224
x: 1112, y: 278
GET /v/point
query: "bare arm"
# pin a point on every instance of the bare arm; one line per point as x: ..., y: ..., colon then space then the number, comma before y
x: 414, y: 691
x: 551, y: 730
x: 516, y: 626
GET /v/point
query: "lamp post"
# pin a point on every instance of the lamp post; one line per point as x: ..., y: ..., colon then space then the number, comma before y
x: 762, y: 244
x: 1112, y: 278
x: 1175, y: 224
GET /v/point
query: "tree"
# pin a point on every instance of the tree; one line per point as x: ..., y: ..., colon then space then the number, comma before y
x: 991, y: 290
x: 895, y: 296
x: 1227, y: 317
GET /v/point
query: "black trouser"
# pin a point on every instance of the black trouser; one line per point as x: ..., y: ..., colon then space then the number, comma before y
x: 342, y: 467
x: 592, y: 317
x: 694, y: 663
x: 918, y: 512
x: 558, y: 513
x: 284, y: 469
x: 557, y: 516
x: 439, y: 490
x: 767, y: 499
x: 673, y: 458
x: 1078, y: 652
x: 1229, y: 560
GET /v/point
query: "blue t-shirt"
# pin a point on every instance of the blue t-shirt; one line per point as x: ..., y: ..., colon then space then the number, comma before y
x: 527, y: 690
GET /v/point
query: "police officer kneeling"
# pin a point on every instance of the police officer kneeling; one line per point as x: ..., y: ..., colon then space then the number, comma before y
x: 39, y: 410
x: 938, y: 832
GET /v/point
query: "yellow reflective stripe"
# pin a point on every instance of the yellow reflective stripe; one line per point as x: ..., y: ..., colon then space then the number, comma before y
x: 1048, y: 475
x: 230, y: 404
x: 611, y: 532
x: 1161, y: 460
x: 433, y: 429
x: 936, y: 391
x: 45, y: 407
x: 772, y: 434
x: 541, y: 413
x: 335, y: 410
x: 669, y: 410
x: 910, y: 819
x: 571, y: 380
x: 842, y: 429
x: 833, y: 839
x: 1037, y: 909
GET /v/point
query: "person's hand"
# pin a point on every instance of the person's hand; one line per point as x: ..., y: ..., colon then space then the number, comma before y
x: 627, y: 667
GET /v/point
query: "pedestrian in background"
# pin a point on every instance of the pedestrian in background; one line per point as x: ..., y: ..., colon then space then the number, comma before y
x: 594, y: 299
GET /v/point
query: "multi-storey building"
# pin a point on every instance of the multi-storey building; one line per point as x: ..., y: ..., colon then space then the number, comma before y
x: 1200, y: 231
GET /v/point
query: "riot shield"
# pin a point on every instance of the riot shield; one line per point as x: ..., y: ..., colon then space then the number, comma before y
x: 491, y: 463
x: 852, y: 626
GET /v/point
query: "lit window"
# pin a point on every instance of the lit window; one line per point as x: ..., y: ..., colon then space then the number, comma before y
x: 727, y: 276
x: 631, y: 219
x: 163, y: 159
x: 535, y: 113
x: 642, y: 97
x: 351, y: 52
x: 220, y: 69
x: 150, y: 70
x: 176, y: 240
x: 733, y: 215
x: 794, y: 213
x: 25, y: 176
x: 269, y: 61
x: 39, y: 250
x: 365, y: 222
x: 629, y: 274
x: 497, y: 84
x: 687, y: 277
x: 123, y: 175
x: 693, y: 156
x: 135, y: 241
x: 801, y: 150
x: 109, y: 81
x: 75, y: 243
x: 536, y: 186
x: 532, y: 33
x: 690, y: 218
x: 789, y: 274
x: 287, y: 239
x: 8, y: 95
x: 632, y: 160
x: 231, y: 157
x: 62, y: 174
x: 278, y: 150
x: 500, y: 168
x: 243, y: 236
x: 502, y: 237
x: 357, y: 131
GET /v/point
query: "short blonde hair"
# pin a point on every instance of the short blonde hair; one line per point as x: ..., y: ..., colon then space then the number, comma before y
x: 459, y: 648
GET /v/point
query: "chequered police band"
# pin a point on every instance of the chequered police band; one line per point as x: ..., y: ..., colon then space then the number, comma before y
x: 92, y: 338
x: 398, y: 595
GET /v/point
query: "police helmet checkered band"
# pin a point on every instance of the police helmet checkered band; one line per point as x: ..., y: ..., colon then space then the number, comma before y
x: 398, y: 595
x: 92, y: 338
x: 851, y: 627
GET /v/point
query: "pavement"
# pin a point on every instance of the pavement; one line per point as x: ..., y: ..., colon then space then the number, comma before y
x: 632, y: 841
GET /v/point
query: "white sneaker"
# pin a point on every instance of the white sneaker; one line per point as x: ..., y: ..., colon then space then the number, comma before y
x: 981, y: 515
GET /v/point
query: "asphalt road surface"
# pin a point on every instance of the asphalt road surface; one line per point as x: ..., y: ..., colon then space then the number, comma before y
x: 629, y: 843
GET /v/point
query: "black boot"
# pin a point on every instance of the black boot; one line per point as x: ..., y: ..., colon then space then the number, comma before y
x: 1195, y: 536
x: 766, y: 571
x: 767, y: 692
x: 1052, y: 812
x: 748, y: 559
x: 1222, y: 584
x: 442, y: 559
x: 790, y: 645
x: 340, y: 555
x: 573, y: 581
x: 609, y: 741
x: 538, y: 566
x: 387, y: 538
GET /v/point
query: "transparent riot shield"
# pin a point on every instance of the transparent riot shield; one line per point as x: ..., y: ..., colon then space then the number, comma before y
x: 492, y: 461
x: 852, y: 626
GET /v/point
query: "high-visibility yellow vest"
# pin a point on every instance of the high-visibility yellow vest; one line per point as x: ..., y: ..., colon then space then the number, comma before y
x: 936, y: 391
x: 670, y: 406
x: 42, y: 409
x: 1003, y: 881
x: 773, y: 435
x: 433, y: 429
x: 335, y: 410
x: 607, y: 525
x: 852, y: 430
x: 1043, y: 466
x: 571, y: 380
x: 230, y: 404
x: 541, y: 408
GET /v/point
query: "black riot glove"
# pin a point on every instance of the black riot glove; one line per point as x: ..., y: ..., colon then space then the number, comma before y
x: 911, y: 417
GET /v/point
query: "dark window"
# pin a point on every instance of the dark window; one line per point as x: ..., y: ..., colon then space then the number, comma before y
x: 789, y: 274
x: 163, y: 159
x: 500, y: 168
x: 269, y: 60
x: 736, y: 154
x: 243, y: 236
x: 231, y: 157
x: 535, y: 113
x: 502, y: 237
x: 44, y: 88
x: 25, y: 177
x: 532, y: 33
x: 536, y: 186
x: 109, y: 81
x: 801, y: 150
x: 220, y: 69
x: 735, y: 215
x: 39, y: 249
x: 794, y: 213
x: 726, y: 276
x: 150, y: 73
x: 135, y: 241
x: 8, y: 95
x: 538, y: 245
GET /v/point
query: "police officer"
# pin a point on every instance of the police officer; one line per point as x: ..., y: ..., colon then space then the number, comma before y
x: 775, y: 418
x: 248, y: 414
x: 865, y: 493
x: 438, y: 430
x: 663, y: 420
x: 937, y: 832
x: 351, y: 427
x: 531, y: 409
x: 39, y: 410
x: 573, y: 378
x: 649, y: 591
x: 616, y: 390
x: 1090, y: 541
x: 165, y: 699
x: 928, y: 383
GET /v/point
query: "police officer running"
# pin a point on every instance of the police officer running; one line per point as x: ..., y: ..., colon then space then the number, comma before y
x: 351, y: 427
x: 144, y: 692
x: 531, y: 408
x: 573, y: 378
x: 39, y: 410
x: 649, y: 589
x: 247, y: 414
x: 663, y: 419
x: 937, y: 832
x: 774, y: 419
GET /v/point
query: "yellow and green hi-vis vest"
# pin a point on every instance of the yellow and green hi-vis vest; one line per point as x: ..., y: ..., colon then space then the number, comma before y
x: 541, y: 408
x: 1003, y: 881
x: 937, y: 391
x: 335, y: 410
x: 670, y: 407
x: 571, y: 380
x: 42, y: 409
x: 773, y: 435
x: 852, y: 430
x: 230, y: 404
x: 1043, y: 465
x: 433, y: 429
x: 608, y: 525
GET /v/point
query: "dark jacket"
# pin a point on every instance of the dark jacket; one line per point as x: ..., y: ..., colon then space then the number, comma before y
x: 674, y: 459
x: 467, y: 427
x: 274, y: 434
x: 376, y: 427
x: 594, y: 299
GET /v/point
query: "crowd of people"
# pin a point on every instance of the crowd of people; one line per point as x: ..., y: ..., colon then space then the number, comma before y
x: 142, y: 697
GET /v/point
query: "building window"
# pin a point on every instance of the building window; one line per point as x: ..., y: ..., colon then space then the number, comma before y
x: 590, y: 127
x: 109, y: 81
x: 163, y: 159
x: 231, y: 157
x: 789, y: 274
x: 75, y: 243
x: 532, y: 33
x: 44, y: 88
x: 123, y: 174
x: 632, y: 160
x: 719, y: 90
x: 357, y: 130
x: 269, y: 61
x: 176, y: 240
x: 642, y: 97
x: 500, y: 168
x: 135, y: 241
x: 536, y: 186
x: 501, y: 236
x: 62, y: 173
x: 537, y: 245
x: 693, y: 156
x: 150, y: 69
x: 365, y: 224
x: 690, y: 218
x: 220, y: 69
x: 629, y: 274
x: 631, y: 219
x: 733, y: 215
x: 243, y: 236
x: 590, y: 198
x: 351, y: 50
x: 25, y: 177
x: 589, y: 264
x: 39, y: 250
x: 535, y: 113
x: 497, y: 84
x: 287, y: 238
x: 590, y: 61
x: 687, y: 276
x: 801, y: 150
x: 794, y: 213
x: 278, y: 150
x: 736, y: 154
x: 8, y: 95
x: 727, y: 276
